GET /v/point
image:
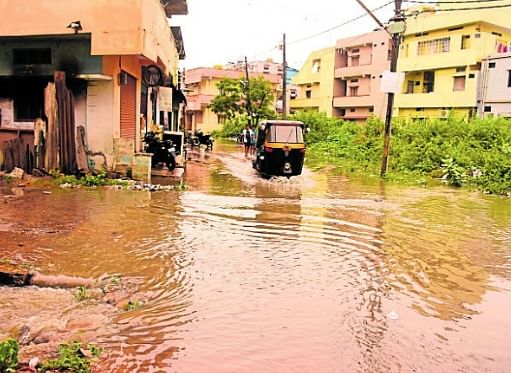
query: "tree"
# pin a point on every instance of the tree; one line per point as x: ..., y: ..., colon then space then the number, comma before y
x: 232, y: 99
x: 261, y: 99
x: 228, y: 103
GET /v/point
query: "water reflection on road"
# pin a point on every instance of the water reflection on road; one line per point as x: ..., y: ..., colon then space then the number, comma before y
x: 250, y: 275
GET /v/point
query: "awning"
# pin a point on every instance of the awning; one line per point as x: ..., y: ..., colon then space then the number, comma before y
x: 178, y: 96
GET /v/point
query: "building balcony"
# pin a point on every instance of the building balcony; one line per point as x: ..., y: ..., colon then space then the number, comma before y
x: 438, y: 100
x: 354, y: 101
x: 304, y: 103
x: 461, y: 57
x: 360, y: 70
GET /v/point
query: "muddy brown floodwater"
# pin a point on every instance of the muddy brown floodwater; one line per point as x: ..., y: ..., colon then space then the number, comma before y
x: 316, y: 274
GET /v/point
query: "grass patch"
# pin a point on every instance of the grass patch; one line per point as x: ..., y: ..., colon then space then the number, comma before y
x: 72, y: 359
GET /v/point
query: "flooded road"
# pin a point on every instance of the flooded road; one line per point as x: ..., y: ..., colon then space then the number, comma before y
x: 315, y: 274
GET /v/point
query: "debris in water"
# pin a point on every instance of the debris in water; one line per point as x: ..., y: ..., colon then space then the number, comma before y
x: 393, y: 315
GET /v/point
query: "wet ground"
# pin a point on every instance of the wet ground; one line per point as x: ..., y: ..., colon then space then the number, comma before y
x: 318, y: 273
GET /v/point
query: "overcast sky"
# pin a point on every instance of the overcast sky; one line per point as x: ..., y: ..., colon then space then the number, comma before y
x: 219, y: 31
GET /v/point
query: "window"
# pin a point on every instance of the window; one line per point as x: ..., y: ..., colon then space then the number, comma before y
x: 286, y: 134
x: 355, y: 60
x: 316, y: 66
x: 371, y: 109
x: 487, y: 109
x: 465, y: 41
x: 352, y: 110
x: 461, y: 69
x: 455, y: 28
x: 31, y: 56
x: 353, y: 91
x: 471, y: 76
x: 409, y: 86
x: 429, y: 82
x: 308, y: 93
x: 354, y: 81
x: 459, y: 83
x: 355, y: 50
x: 28, y: 107
x: 509, y: 78
x: 492, y: 65
x: 434, y: 46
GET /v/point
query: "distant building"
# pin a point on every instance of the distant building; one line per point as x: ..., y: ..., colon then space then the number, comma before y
x: 315, y: 82
x: 359, y: 64
x: 441, y: 57
x: 201, y: 86
x: 494, y: 89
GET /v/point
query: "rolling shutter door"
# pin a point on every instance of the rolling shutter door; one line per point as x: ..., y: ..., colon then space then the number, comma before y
x: 129, y: 108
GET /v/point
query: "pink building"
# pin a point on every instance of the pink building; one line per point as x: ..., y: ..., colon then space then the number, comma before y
x: 359, y: 65
x: 201, y: 85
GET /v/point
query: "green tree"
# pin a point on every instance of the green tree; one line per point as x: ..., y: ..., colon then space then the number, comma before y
x: 228, y: 103
x: 234, y: 99
x: 261, y: 97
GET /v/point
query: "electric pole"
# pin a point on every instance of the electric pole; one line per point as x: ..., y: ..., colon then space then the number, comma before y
x: 396, y: 40
x: 247, y: 94
x: 284, y: 78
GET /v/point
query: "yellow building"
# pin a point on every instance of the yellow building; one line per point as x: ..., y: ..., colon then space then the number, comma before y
x: 201, y: 85
x: 441, y: 57
x: 315, y: 83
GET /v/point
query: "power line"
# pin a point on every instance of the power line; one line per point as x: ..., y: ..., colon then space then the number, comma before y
x: 339, y: 26
x: 451, y: 2
x: 460, y: 9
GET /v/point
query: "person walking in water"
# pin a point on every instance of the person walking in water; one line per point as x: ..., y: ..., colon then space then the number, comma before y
x: 247, y: 139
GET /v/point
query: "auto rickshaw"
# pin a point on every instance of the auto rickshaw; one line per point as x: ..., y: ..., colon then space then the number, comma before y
x: 280, y: 148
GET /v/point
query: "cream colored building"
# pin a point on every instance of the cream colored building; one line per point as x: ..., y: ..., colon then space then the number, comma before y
x: 103, y: 46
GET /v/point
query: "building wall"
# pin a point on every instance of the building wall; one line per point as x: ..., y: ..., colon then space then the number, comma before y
x: 372, y: 52
x: 494, y: 91
x: 69, y: 54
x: 471, y: 36
x: 115, y: 25
x: 320, y: 83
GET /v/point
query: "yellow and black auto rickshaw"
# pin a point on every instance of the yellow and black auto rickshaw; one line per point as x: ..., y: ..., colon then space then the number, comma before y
x: 280, y: 148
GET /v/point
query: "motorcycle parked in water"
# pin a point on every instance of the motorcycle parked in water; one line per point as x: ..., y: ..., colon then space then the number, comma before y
x: 199, y: 138
x: 163, y: 151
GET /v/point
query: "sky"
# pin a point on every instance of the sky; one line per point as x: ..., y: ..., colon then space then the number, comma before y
x: 216, y: 32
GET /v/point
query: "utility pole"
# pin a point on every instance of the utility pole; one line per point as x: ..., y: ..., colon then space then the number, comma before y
x: 284, y: 78
x: 396, y: 40
x: 247, y: 94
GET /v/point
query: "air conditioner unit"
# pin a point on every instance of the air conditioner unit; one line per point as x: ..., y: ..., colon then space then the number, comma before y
x: 123, y: 78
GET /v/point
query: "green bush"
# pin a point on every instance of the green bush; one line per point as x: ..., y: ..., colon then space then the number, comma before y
x: 476, y: 153
x: 8, y: 355
x: 71, y: 359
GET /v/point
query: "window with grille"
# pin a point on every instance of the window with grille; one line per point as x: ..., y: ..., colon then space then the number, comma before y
x: 434, y: 46
x: 355, y: 60
x: 353, y: 91
x: 428, y: 84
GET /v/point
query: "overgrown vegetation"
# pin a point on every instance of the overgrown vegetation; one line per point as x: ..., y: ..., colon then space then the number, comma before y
x: 81, y: 294
x: 132, y: 305
x: 8, y: 355
x: 88, y: 180
x: 72, y: 359
x: 475, y: 153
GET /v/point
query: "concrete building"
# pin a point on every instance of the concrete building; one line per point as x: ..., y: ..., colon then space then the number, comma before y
x: 494, y: 88
x: 201, y: 85
x: 441, y: 57
x: 105, y: 48
x: 359, y: 64
x: 315, y: 83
